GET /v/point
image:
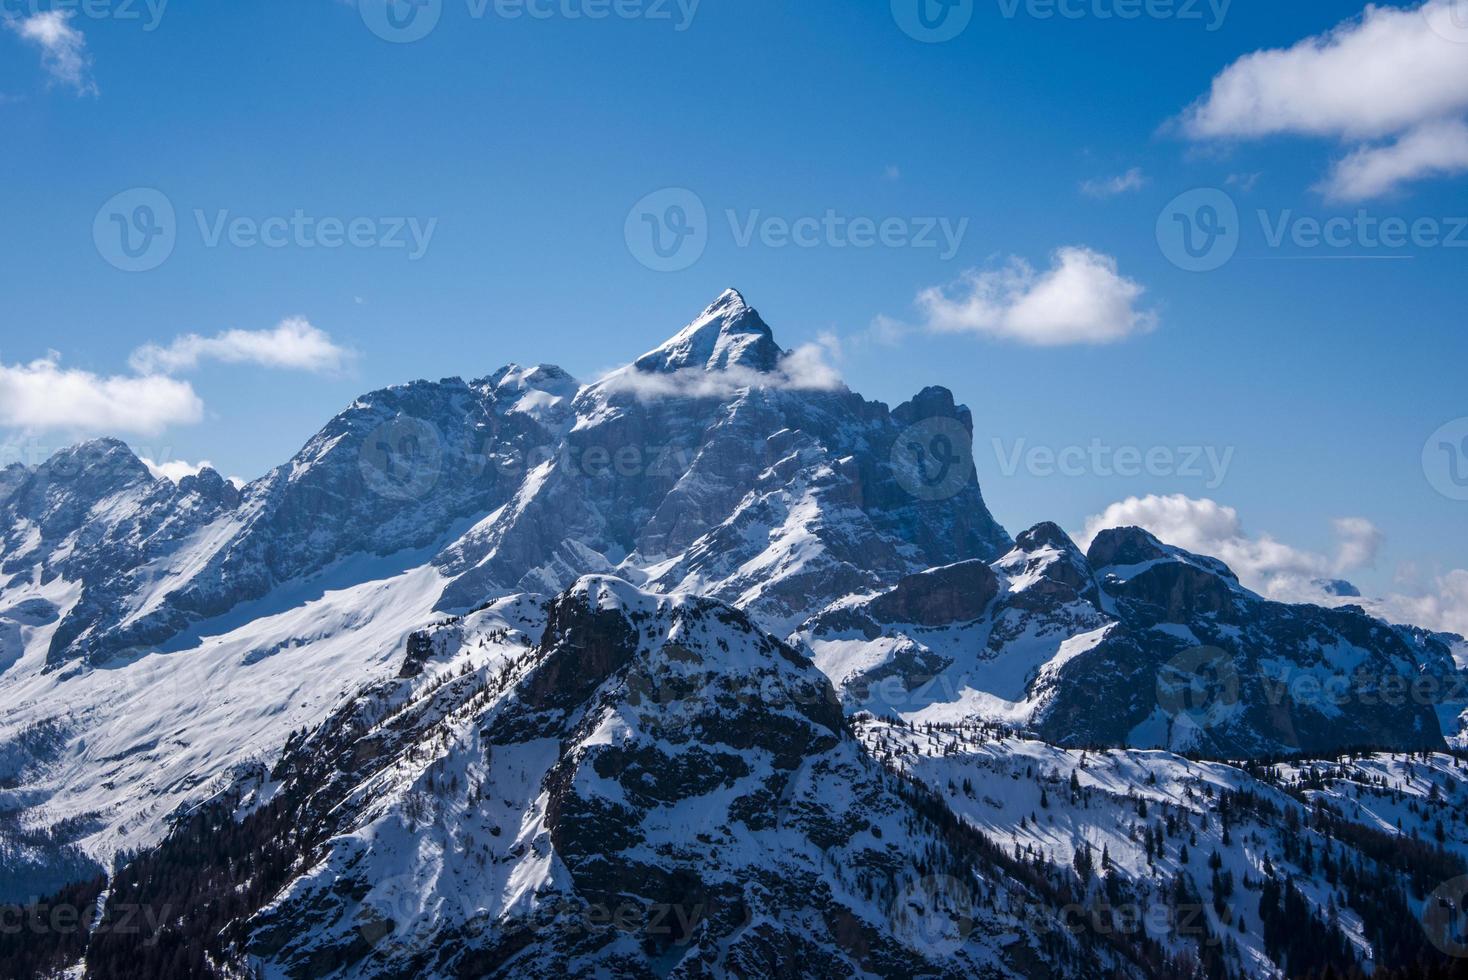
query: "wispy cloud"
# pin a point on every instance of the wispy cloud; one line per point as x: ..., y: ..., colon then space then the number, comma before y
x: 1104, y: 187
x: 1443, y: 606
x: 293, y: 345
x: 64, y: 52
x: 1391, y: 83
x: 44, y: 396
x: 807, y: 368
x: 1432, y: 149
x: 1081, y: 299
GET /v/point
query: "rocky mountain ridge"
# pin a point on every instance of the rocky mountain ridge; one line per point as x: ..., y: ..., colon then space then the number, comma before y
x: 488, y: 660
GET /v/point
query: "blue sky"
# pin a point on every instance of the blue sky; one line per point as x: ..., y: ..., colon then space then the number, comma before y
x: 511, y: 151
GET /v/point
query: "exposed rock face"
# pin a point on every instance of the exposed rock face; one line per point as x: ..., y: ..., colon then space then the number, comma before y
x: 940, y: 596
x: 1137, y: 643
x: 400, y: 469
x: 701, y: 468
x: 94, y: 515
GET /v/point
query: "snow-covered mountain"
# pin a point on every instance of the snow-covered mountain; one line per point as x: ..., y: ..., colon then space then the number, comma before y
x: 488, y: 660
x: 1135, y: 643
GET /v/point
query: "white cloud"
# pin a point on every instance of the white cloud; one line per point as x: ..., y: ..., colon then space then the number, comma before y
x: 174, y: 469
x: 1433, y: 149
x: 1283, y: 572
x: 294, y: 345
x: 1443, y: 608
x: 63, y: 48
x: 1103, y: 187
x: 1393, y: 74
x: 43, y: 396
x: 1080, y: 299
x: 806, y: 368
x: 1360, y: 543
x: 1262, y: 563
x: 1369, y: 77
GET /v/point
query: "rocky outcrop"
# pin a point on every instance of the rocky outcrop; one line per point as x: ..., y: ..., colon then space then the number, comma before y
x: 940, y: 596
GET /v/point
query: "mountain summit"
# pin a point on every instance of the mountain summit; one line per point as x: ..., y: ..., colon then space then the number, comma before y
x: 728, y: 334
